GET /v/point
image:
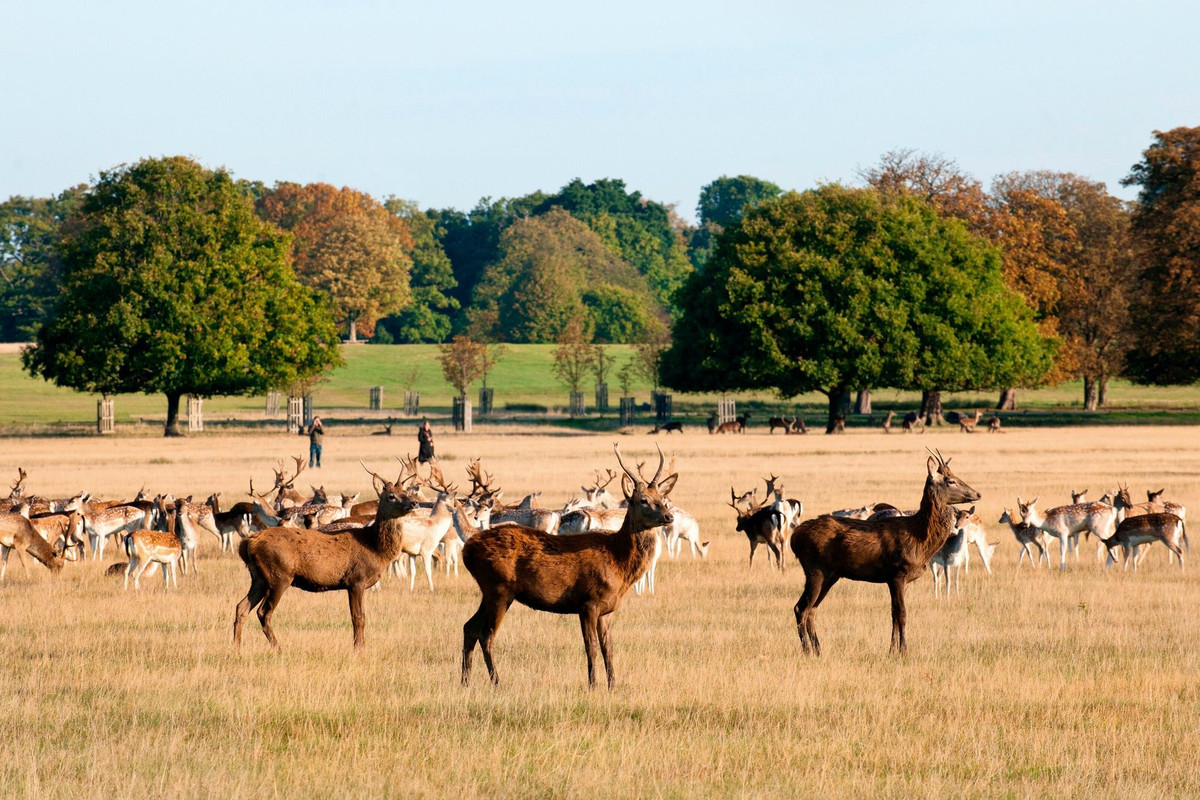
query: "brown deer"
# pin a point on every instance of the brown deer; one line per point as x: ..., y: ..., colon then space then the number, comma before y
x: 911, y: 421
x: 967, y: 424
x: 352, y: 560
x: 588, y: 574
x: 795, y: 426
x: 887, y: 422
x: 894, y: 551
x: 17, y: 533
x: 994, y: 425
x: 1146, y: 529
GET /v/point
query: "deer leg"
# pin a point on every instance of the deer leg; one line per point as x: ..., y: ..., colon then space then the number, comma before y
x: 753, y: 547
x: 605, y: 629
x: 589, y: 622
x: 774, y: 548
x: 258, y: 590
x: 358, y: 617
x: 805, y: 606
x: 267, y: 609
x: 481, y: 628
x: 21, y: 557
x: 1064, y: 544
x: 128, y: 569
x: 826, y: 585
x: 899, y: 616
x: 428, y: 559
x: 5, y: 550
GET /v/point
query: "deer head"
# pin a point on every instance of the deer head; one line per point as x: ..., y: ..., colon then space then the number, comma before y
x: 394, y: 499
x: 947, y: 487
x: 17, y: 488
x: 1152, y: 497
x: 647, y: 500
x: 481, y: 481
x: 1078, y: 496
x: 772, y: 489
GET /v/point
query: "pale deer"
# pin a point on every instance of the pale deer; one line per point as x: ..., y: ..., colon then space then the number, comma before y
x: 952, y: 556
x: 970, y: 523
x: 862, y: 512
x: 1027, y: 536
x: 115, y: 521
x: 684, y: 528
x: 894, y: 551
x: 1145, y: 529
x: 318, y: 562
x: 587, y: 575
x: 1065, y: 523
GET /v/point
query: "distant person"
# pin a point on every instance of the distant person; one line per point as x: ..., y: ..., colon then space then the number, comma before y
x: 315, y: 434
x: 425, y: 441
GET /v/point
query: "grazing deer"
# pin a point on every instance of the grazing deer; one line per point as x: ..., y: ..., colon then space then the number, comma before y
x: 1065, y: 523
x: 17, y: 533
x: 967, y: 424
x: 670, y: 427
x: 893, y: 551
x: 587, y: 575
x: 887, y: 422
x: 795, y: 426
x: 1027, y: 536
x: 63, y: 532
x: 352, y: 560
x: 778, y: 422
x: 994, y: 425
x: 1146, y: 529
x: 684, y: 528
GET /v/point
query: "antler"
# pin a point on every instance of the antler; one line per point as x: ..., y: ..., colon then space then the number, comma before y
x: 374, y: 476
x: 262, y: 496
x: 598, y: 485
x: 408, y: 471
x: 16, y: 487
x: 480, y: 480
x: 437, y: 481
x: 617, y: 450
x: 662, y: 459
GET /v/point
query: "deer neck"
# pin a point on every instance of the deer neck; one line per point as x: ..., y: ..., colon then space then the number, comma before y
x: 634, y: 545
x: 933, y: 523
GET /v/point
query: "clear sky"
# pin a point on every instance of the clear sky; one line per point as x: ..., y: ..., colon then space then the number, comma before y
x: 445, y: 103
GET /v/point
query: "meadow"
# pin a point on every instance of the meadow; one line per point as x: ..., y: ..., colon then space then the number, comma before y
x: 1031, y: 683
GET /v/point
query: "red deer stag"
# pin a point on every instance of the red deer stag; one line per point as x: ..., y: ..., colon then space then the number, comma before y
x: 587, y: 574
x: 352, y: 560
x: 894, y: 551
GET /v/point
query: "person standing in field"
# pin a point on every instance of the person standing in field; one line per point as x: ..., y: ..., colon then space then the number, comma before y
x: 425, y: 443
x: 315, y: 434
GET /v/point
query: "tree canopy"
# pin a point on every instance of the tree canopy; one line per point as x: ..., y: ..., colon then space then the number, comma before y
x: 30, y: 231
x: 1166, y: 224
x: 722, y: 203
x: 347, y: 245
x: 428, y: 318
x: 833, y: 288
x: 171, y: 284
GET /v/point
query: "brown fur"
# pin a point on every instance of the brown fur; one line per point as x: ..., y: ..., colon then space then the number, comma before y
x: 17, y: 533
x: 894, y: 551
x: 587, y: 574
x: 352, y: 560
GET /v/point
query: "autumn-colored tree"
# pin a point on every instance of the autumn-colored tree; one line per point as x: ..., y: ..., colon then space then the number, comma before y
x: 347, y: 245
x: 463, y: 362
x: 1166, y: 227
x: 428, y: 317
x: 573, y: 357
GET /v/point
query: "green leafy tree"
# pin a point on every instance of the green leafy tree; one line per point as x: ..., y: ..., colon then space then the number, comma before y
x: 833, y: 289
x: 722, y: 203
x: 30, y: 231
x: 172, y: 285
x: 1166, y: 228
x: 429, y: 316
x: 574, y: 357
x: 617, y: 315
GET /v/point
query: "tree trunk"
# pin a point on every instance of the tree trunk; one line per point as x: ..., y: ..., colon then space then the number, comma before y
x: 1008, y: 400
x: 1102, y: 395
x: 172, y: 428
x: 839, y: 406
x: 862, y: 402
x: 354, y: 329
x: 1091, y: 390
x: 931, y: 406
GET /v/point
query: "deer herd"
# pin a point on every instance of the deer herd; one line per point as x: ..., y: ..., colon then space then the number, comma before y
x: 581, y: 558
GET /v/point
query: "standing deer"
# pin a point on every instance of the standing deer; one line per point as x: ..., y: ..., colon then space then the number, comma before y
x: 894, y: 551
x: 967, y: 424
x: 1065, y: 523
x: 1145, y: 529
x: 887, y: 422
x: 1027, y: 536
x: 588, y: 574
x: 911, y: 420
x: 313, y: 561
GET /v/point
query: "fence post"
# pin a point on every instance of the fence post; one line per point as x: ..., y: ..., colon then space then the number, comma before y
x: 295, y: 414
x: 412, y: 403
x: 376, y: 401
x: 627, y: 407
x: 105, y: 419
x: 662, y: 407
x: 195, y: 413
x: 308, y: 410
x: 726, y: 411
x: 462, y: 414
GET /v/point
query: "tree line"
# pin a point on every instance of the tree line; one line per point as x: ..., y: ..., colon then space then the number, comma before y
x: 918, y: 277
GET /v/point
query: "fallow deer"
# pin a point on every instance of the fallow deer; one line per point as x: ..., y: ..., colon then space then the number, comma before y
x: 912, y: 420
x: 673, y: 426
x: 237, y: 520
x: 587, y: 575
x: 1065, y: 523
x: 952, y: 556
x: 313, y: 561
x: 967, y: 424
x: 146, y: 548
x: 994, y: 425
x: 1027, y: 536
x: 115, y: 521
x: 1079, y: 496
x: 1145, y: 529
x: 17, y: 533
x: 887, y: 422
x: 862, y: 512
x: 894, y: 551
x: 1170, y: 506
x: 684, y: 528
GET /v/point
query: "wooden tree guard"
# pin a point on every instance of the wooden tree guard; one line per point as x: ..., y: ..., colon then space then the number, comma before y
x: 295, y: 414
x: 412, y: 403
x: 486, y: 394
x: 577, y: 407
x: 462, y: 414
x: 195, y: 410
x: 273, y: 400
x: 602, y: 397
x: 376, y: 398
x: 106, y: 421
x: 308, y: 410
x: 726, y: 411
x: 627, y: 409
x: 662, y: 407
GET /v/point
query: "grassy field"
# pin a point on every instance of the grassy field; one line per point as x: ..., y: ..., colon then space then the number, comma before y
x: 524, y: 379
x: 1030, y: 684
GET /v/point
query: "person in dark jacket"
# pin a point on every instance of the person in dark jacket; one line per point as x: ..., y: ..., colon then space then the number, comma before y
x: 425, y: 442
x: 315, y: 434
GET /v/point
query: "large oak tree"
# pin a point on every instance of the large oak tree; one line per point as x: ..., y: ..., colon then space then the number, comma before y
x: 172, y: 285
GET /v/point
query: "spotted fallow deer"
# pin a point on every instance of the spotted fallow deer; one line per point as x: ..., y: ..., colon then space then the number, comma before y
x: 1145, y: 529
x: 895, y: 551
x: 1028, y: 536
x: 588, y: 574
x: 17, y: 533
x: 1065, y: 523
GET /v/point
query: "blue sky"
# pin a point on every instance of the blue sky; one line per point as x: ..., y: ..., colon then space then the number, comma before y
x: 446, y: 103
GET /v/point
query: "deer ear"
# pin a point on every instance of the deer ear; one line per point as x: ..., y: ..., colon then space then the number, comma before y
x: 971, y: 510
x: 667, y: 484
x: 628, y: 486
x: 932, y: 466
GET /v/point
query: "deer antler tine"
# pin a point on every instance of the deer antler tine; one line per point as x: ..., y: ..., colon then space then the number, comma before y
x: 617, y: 450
x: 661, y: 460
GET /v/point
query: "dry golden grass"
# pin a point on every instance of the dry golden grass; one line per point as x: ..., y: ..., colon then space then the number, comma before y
x: 1031, y: 684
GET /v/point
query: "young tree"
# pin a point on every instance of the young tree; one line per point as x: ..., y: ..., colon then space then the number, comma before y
x: 573, y: 357
x: 346, y: 245
x: 1166, y: 304
x: 833, y: 289
x: 171, y: 284
x: 463, y: 363
x: 647, y: 353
